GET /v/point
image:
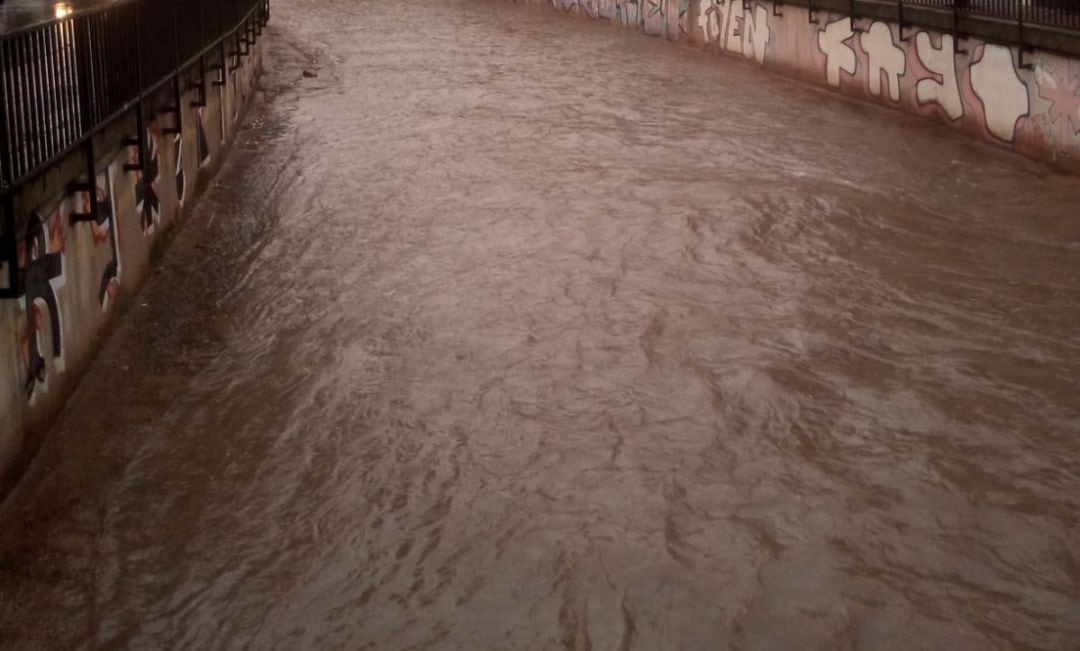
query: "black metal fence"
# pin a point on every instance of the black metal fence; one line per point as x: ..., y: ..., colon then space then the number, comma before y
x: 1005, y: 21
x: 1061, y: 14
x: 1058, y: 14
x: 63, y: 81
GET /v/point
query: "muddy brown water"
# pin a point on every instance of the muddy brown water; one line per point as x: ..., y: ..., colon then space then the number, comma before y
x: 511, y: 331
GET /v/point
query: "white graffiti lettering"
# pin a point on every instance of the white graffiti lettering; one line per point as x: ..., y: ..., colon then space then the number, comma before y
x: 725, y: 23
x: 756, y: 34
x: 884, y: 57
x: 939, y: 61
x: 833, y: 41
x: 1003, y: 94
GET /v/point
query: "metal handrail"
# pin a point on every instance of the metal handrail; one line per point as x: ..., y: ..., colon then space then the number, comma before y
x: 1061, y: 15
x: 76, y: 13
x: 64, y: 81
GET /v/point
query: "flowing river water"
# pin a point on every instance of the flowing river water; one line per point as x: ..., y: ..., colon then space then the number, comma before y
x: 511, y: 331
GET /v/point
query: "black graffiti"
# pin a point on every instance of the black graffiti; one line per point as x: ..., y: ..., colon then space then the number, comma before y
x: 41, y: 268
x: 146, y: 197
x: 224, y: 102
x: 107, y: 213
x: 624, y: 10
x: 181, y: 176
x: 235, y: 97
x: 200, y: 135
x: 112, y: 272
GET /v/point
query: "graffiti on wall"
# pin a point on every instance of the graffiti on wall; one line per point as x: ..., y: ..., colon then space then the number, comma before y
x: 242, y: 91
x: 628, y: 12
x: 608, y: 9
x: 986, y: 81
x: 942, y: 86
x: 147, y: 199
x: 884, y: 62
x: 105, y: 229
x: 655, y: 17
x: 178, y: 167
x: 834, y: 41
x: 1003, y: 94
x: 203, y: 144
x: 71, y: 252
x: 1059, y: 88
x: 732, y: 27
x: 222, y: 85
x: 236, y: 93
x: 41, y: 258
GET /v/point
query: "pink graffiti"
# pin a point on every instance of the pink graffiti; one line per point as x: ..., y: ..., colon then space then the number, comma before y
x: 1064, y: 97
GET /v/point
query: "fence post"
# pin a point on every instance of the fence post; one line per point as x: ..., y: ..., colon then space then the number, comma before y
x: 200, y: 101
x: 6, y: 174
x: 140, y: 110
x: 956, y: 25
x: 1020, y: 10
x: 8, y: 240
x: 84, y: 76
x: 178, y: 97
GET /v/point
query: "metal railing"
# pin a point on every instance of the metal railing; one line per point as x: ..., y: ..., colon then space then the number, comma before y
x: 1058, y: 14
x: 1062, y: 16
x: 64, y: 81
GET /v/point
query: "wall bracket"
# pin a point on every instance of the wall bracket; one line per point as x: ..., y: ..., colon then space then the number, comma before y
x: 9, y: 251
x: 89, y: 187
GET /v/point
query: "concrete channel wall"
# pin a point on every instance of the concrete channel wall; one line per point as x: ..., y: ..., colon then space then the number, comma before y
x: 1027, y: 101
x: 80, y: 276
